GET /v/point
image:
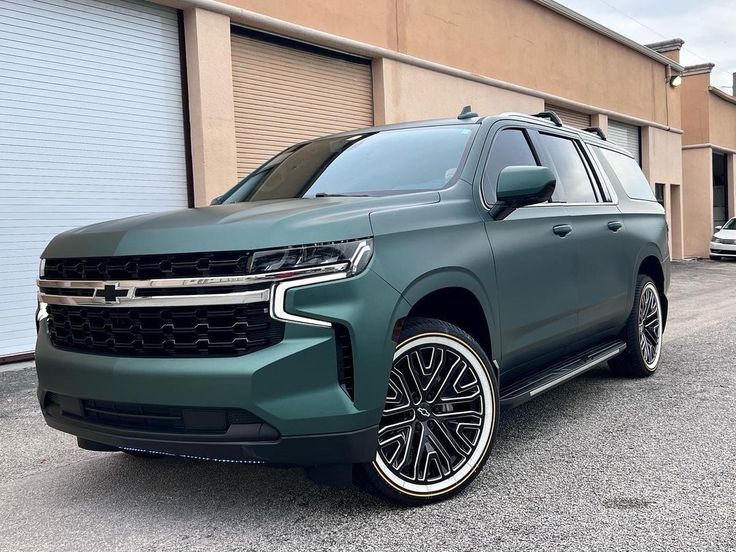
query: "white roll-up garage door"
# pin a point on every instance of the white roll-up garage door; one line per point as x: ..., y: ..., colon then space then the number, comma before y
x: 91, y: 128
x: 570, y: 117
x: 627, y: 137
x: 284, y: 95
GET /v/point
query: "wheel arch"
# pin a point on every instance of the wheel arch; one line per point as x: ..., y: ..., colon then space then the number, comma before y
x: 651, y: 265
x: 456, y: 297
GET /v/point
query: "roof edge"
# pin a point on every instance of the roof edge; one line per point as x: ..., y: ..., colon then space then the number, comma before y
x: 698, y: 69
x: 671, y: 45
x: 721, y: 94
x: 605, y: 31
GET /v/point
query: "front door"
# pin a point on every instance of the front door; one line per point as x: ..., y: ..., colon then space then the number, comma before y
x: 535, y: 263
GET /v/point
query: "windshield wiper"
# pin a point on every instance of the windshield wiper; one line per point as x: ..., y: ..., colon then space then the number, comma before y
x: 325, y: 194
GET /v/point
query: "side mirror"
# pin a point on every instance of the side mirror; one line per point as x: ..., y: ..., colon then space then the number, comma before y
x: 719, y: 228
x: 520, y: 186
x: 216, y: 201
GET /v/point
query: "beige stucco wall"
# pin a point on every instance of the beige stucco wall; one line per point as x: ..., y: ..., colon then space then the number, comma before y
x: 722, y: 120
x: 662, y: 164
x: 518, y: 41
x: 697, y: 192
x: 661, y: 157
x: 405, y: 92
x: 211, y: 111
x: 695, y: 109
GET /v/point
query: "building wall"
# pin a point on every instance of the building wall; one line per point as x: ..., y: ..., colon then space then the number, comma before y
x: 697, y: 190
x: 662, y: 164
x: 517, y: 41
x: 406, y: 92
x: 695, y: 109
x: 722, y: 121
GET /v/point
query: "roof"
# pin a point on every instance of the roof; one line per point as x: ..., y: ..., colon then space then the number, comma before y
x: 605, y: 31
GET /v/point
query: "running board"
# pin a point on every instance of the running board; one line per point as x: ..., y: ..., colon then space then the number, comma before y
x: 523, y: 390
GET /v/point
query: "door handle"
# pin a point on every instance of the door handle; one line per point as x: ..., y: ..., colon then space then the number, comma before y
x: 615, y: 225
x: 562, y: 230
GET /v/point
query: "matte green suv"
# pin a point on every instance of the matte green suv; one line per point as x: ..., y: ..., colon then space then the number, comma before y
x: 361, y: 305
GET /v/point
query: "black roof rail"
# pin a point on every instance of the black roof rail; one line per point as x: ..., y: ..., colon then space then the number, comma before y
x: 598, y: 131
x: 467, y: 113
x: 551, y: 115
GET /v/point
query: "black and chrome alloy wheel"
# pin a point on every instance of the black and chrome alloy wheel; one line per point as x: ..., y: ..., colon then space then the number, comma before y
x: 650, y: 325
x: 440, y: 414
x: 643, y: 332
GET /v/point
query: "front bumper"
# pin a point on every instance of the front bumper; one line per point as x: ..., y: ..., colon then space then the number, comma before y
x: 291, y: 386
x: 723, y: 249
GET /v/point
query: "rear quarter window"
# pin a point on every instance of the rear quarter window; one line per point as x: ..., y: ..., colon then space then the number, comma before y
x: 623, y: 171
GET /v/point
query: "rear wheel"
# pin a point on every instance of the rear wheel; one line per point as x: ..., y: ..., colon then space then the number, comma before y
x: 643, y: 333
x: 440, y: 416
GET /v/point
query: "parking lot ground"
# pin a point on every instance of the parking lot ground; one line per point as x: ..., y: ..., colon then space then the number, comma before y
x: 599, y: 463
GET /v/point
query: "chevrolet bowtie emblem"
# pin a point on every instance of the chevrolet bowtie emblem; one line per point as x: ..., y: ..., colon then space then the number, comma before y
x: 111, y: 293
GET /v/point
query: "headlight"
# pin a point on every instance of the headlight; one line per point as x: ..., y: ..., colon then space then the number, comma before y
x: 716, y: 240
x: 356, y: 252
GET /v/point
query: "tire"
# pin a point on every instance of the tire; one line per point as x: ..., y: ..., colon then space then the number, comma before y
x: 434, y: 363
x: 643, y: 333
x: 715, y: 258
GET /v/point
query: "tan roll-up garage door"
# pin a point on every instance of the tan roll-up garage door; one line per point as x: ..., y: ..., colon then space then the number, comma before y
x: 570, y: 117
x: 286, y: 94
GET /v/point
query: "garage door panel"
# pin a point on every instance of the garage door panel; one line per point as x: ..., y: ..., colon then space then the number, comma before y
x: 91, y: 128
x: 627, y: 137
x: 313, y: 94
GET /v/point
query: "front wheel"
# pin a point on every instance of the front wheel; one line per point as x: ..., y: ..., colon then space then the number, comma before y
x: 643, y: 333
x: 439, y: 419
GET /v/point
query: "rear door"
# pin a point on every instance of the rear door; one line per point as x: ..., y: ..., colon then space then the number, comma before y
x: 534, y: 255
x: 603, y: 267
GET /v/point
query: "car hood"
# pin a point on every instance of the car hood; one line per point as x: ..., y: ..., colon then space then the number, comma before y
x: 725, y: 234
x: 256, y: 225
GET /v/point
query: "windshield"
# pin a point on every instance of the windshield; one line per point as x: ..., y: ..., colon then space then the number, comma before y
x: 375, y: 163
x: 730, y: 225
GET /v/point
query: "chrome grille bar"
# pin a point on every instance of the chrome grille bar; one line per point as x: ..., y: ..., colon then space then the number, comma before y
x: 123, y: 293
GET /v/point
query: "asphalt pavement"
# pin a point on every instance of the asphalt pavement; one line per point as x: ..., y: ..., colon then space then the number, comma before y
x: 601, y: 463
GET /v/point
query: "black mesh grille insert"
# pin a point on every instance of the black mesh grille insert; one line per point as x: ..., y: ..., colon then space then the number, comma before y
x: 345, y: 371
x: 227, y: 330
x: 168, y: 419
x: 144, y: 267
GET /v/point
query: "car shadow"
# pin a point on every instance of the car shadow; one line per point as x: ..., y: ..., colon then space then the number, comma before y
x: 167, y: 486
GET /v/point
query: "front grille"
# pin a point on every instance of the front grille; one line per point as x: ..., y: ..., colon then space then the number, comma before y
x: 157, y: 418
x: 227, y: 330
x: 144, y: 267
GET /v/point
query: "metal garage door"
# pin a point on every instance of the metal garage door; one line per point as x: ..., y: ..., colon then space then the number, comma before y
x: 626, y: 136
x: 285, y: 94
x: 91, y: 128
x: 569, y: 117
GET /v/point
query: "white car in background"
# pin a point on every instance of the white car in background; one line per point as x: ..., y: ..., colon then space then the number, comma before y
x: 723, y: 242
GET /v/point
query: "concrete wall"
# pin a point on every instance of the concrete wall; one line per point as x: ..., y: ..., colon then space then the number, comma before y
x: 518, y: 41
x: 697, y: 191
x: 405, y: 92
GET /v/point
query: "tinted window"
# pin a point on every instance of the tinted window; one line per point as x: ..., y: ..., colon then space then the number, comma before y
x: 571, y: 169
x: 510, y: 149
x: 730, y: 225
x: 375, y: 163
x: 624, y: 171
